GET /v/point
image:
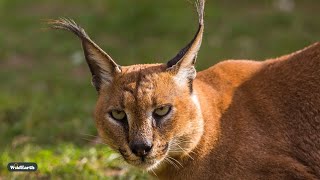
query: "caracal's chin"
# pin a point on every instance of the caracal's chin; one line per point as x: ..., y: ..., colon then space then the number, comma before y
x: 149, y: 162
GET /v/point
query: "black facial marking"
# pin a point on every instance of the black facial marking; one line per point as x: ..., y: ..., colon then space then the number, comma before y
x: 166, y: 146
x: 190, y: 85
x: 123, y: 153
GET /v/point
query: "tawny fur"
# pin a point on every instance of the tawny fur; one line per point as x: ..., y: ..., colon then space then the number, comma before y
x: 239, y: 119
x: 262, y: 120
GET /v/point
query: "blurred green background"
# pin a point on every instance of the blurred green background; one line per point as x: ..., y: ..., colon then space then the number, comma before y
x: 46, y: 99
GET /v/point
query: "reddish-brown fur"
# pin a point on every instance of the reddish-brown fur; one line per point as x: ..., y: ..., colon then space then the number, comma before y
x: 267, y: 115
x: 239, y: 119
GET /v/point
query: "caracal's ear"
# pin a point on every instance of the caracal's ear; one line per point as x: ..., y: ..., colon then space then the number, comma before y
x: 182, y: 65
x: 102, y: 66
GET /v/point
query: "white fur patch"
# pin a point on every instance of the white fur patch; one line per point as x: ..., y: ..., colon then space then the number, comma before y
x: 183, y: 76
x: 199, y: 116
x: 195, y: 100
x: 129, y: 118
x: 106, y: 77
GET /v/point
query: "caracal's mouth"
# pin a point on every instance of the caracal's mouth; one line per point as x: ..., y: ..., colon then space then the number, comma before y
x: 148, y: 162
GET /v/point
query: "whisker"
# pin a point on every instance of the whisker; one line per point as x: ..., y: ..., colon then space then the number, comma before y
x: 176, y: 151
x: 98, y: 142
x: 172, y: 163
x: 154, y: 172
x: 175, y: 160
x: 185, y: 152
x: 90, y: 140
x: 89, y: 135
x: 177, y: 143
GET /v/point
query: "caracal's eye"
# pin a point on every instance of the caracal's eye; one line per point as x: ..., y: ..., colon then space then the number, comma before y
x: 162, y: 111
x: 118, y: 115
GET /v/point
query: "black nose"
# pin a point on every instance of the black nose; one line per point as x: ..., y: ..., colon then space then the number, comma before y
x: 141, y: 148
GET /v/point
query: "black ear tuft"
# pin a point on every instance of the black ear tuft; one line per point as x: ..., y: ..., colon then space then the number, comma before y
x: 101, y: 65
x: 70, y: 25
x: 188, y: 54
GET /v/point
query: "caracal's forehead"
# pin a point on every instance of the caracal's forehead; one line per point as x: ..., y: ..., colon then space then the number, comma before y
x: 141, y: 86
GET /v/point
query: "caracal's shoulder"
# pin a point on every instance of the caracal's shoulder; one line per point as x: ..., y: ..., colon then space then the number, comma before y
x: 232, y: 72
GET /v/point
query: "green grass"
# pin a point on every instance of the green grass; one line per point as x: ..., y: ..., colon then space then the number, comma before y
x: 68, y: 161
x: 46, y: 100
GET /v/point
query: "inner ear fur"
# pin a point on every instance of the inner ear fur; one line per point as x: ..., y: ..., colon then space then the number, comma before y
x: 182, y: 65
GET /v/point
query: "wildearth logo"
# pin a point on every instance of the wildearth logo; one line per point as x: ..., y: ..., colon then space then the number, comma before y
x: 22, y: 166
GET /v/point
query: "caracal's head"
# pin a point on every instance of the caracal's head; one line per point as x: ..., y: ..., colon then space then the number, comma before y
x: 148, y: 113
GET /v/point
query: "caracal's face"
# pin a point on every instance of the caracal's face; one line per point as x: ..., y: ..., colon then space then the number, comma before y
x: 147, y: 115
